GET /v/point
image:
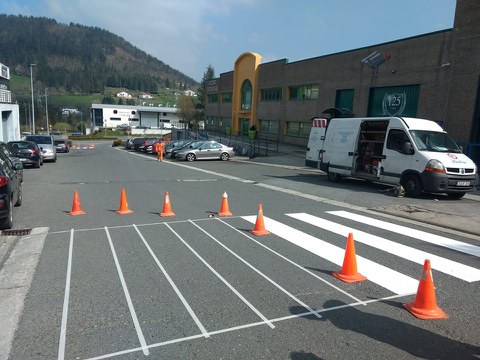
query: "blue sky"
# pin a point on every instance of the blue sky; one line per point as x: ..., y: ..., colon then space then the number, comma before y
x: 189, y: 35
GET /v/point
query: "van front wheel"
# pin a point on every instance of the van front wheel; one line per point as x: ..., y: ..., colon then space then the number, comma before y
x: 412, y: 185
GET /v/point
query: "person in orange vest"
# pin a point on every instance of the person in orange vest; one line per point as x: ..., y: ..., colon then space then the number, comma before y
x: 159, y: 148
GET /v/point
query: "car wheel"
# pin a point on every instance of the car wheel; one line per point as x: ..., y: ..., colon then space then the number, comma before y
x: 457, y: 195
x: 412, y: 185
x: 224, y: 156
x: 190, y: 157
x: 7, y: 222
x: 20, y: 196
x: 37, y: 165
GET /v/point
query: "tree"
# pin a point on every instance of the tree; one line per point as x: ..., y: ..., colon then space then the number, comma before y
x: 120, y: 101
x: 62, y: 126
x: 208, y: 75
x: 186, y: 110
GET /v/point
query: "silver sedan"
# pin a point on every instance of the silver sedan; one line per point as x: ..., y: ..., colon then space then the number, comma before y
x: 205, y: 150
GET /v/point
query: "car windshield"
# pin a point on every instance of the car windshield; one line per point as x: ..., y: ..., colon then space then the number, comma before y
x: 434, y: 141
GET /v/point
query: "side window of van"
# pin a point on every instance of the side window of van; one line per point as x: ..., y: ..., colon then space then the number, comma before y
x: 396, y: 140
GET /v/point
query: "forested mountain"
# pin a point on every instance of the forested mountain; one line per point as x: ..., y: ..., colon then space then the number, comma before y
x: 81, y: 59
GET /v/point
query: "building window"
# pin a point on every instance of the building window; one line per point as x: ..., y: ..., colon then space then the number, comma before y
x: 304, y: 92
x: 212, y: 98
x: 301, y: 129
x: 246, y: 95
x: 268, y: 126
x: 226, y: 121
x: 274, y: 94
x: 226, y: 97
x: 344, y: 99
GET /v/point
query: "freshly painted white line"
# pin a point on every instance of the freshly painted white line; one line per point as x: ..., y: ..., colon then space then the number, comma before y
x: 420, y: 235
x: 254, y: 309
x: 256, y: 270
x: 63, y: 328
x: 141, y: 338
x: 246, y: 326
x: 389, y: 279
x: 293, y: 263
x: 446, y: 266
x: 172, y: 284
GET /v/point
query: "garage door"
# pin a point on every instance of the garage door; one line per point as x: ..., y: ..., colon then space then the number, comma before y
x: 149, y: 119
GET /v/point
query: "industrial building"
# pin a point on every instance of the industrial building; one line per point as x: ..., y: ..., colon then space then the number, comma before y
x: 433, y: 76
x: 10, y: 129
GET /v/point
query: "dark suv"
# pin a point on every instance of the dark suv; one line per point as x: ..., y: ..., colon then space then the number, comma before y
x: 28, y: 152
x: 10, y: 191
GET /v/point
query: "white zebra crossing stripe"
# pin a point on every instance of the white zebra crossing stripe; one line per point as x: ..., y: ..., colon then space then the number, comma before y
x: 446, y: 266
x: 417, y: 234
x: 389, y: 279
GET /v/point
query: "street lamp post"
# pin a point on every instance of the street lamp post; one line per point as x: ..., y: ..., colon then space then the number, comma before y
x: 33, y: 107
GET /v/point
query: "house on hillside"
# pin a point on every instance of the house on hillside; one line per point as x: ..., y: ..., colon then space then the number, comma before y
x: 124, y: 95
x: 189, y: 93
x: 146, y: 96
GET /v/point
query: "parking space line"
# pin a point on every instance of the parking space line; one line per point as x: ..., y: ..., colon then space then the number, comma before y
x: 254, y: 309
x: 293, y: 263
x: 63, y: 328
x: 278, y: 286
x: 172, y: 284
x: 250, y: 325
x: 141, y: 338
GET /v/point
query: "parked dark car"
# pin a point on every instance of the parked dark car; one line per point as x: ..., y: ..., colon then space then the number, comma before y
x: 14, y: 159
x: 137, y: 142
x: 174, y: 145
x: 28, y: 152
x: 61, y: 146
x: 174, y: 151
x: 45, y: 143
x: 10, y: 191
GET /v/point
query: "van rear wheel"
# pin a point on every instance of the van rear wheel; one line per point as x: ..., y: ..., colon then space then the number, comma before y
x: 332, y: 176
x: 412, y: 185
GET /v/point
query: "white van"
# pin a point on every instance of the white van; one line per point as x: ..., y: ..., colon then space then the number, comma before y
x: 416, y: 153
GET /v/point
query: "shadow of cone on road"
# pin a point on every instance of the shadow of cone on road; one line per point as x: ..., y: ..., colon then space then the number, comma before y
x: 259, y: 228
x: 167, y: 207
x: 425, y: 304
x: 224, y: 210
x: 123, y: 209
x: 348, y: 273
x: 76, y: 207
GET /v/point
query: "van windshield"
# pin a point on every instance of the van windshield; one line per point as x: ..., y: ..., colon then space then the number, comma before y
x: 434, y: 141
x: 39, y: 139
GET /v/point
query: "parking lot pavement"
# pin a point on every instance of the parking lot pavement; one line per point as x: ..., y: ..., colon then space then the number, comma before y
x: 141, y: 290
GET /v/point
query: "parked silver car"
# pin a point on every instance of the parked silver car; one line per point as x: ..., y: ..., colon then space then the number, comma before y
x: 46, y: 145
x: 204, y: 150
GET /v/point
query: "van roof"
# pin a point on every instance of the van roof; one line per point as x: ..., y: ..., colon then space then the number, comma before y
x: 422, y: 124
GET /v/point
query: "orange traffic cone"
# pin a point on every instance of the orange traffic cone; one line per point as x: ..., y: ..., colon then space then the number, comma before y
x: 259, y: 228
x: 76, y: 207
x: 348, y: 273
x: 167, y: 207
x: 224, y: 210
x: 123, y: 209
x: 425, y: 304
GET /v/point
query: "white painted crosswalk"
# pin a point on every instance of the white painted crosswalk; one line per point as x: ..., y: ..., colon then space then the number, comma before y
x: 446, y: 266
x: 390, y: 279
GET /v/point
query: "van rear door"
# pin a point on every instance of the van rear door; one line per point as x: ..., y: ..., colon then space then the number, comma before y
x: 315, y: 142
x: 340, y: 145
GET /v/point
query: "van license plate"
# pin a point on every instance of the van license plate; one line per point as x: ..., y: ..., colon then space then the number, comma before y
x: 463, y: 183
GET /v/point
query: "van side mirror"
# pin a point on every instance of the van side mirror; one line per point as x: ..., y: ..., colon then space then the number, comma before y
x: 407, y: 148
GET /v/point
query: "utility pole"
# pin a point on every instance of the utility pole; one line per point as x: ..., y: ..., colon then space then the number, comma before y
x: 33, y: 105
x: 46, y: 111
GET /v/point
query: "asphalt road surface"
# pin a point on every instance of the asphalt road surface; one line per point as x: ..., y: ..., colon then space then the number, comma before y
x: 199, y: 286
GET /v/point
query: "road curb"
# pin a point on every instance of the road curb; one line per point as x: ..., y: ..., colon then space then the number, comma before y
x: 15, y: 279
